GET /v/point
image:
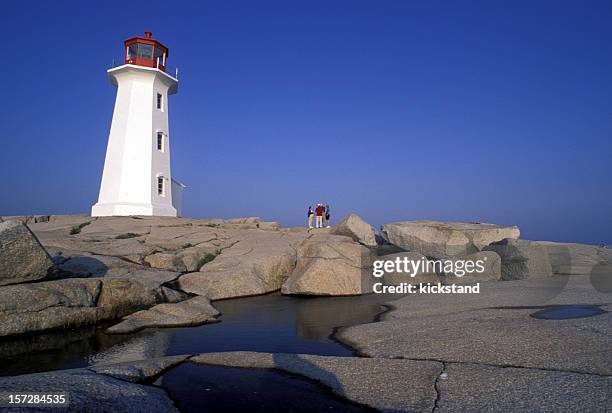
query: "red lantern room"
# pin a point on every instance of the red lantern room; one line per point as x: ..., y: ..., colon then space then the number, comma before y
x: 145, y: 51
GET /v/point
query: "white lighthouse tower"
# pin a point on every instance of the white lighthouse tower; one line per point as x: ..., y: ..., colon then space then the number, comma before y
x: 137, y: 179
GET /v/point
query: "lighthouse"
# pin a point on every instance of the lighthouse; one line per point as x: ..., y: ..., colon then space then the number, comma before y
x: 137, y: 178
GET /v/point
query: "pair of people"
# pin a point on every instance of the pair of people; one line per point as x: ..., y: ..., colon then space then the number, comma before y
x: 320, y: 214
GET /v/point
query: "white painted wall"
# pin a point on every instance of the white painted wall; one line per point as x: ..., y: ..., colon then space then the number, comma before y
x: 133, y: 162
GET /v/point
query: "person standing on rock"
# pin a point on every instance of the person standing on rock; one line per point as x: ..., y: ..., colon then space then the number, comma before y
x: 320, y: 210
x: 310, y: 215
x: 327, y: 215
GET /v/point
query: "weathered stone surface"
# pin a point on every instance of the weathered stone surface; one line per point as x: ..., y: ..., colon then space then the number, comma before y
x: 22, y: 257
x: 383, y: 384
x: 169, y: 295
x: 172, y: 238
x: 576, y: 259
x: 193, y: 258
x: 444, y: 239
x: 521, y: 259
x: 494, y: 327
x: 245, y: 220
x: 191, y: 312
x: 120, y: 297
x: 330, y: 265
x: 423, y: 275
x: 122, y: 250
x: 269, y: 226
x: 489, y: 261
x: 49, y: 305
x: 89, y: 392
x: 256, y: 265
x: 165, y: 261
x: 478, y: 388
x: 356, y: 228
x: 139, y: 371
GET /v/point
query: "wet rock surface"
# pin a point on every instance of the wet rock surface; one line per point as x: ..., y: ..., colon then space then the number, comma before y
x: 384, y: 384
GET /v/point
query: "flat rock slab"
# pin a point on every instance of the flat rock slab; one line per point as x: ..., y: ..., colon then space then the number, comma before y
x: 493, y: 327
x: 48, y: 305
x: 386, y: 385
x: 477, y: 388
x: 139, y: 371
x: 191, y: 312
x: 22, y: 257
x: 89, y: 392
x: 440, y: 239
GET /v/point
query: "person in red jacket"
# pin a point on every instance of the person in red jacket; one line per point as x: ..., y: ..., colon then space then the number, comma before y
x: 319, y: 211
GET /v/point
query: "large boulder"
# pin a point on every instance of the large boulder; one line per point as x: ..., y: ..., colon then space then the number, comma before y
x: 192, y: 312
x: 356, y: 228
x: 522, y: 259
x: 439, y: 239
x: 576, y: 259
x: 49, y: 305
x: 330, y: 265
x: 479, y: 266
x: 22, y: 257
x: 258, y: 264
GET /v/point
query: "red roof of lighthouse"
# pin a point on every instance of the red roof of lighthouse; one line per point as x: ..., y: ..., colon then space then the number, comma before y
x: 146, y: 51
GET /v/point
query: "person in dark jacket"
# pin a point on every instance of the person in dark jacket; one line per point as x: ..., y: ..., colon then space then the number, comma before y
x: 310, y: 216
x: 327, y: 216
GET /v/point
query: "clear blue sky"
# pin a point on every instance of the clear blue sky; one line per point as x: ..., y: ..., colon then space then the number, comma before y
x: 493, y: 111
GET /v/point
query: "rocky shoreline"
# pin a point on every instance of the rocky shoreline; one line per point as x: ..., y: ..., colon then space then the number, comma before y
x: 429, y: 352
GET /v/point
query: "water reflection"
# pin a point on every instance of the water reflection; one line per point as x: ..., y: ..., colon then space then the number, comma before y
x: 270, y: 323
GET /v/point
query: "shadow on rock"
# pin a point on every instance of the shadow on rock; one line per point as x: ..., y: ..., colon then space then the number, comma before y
x: 77, y: 267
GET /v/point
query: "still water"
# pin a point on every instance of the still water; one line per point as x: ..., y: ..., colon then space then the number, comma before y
x: 268, y: 323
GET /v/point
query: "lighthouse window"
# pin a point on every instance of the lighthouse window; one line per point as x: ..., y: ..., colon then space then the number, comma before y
x: 160, y: 186
x: 133, y: 51
x: 159, y: 101
x: 158, y: 56
x: 145, y: 51
x: 160, y: 141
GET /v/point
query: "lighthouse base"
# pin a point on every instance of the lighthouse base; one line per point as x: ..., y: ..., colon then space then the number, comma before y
x: 127, y: 209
